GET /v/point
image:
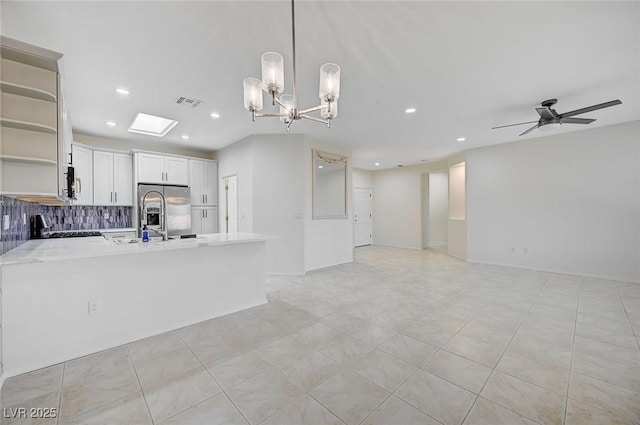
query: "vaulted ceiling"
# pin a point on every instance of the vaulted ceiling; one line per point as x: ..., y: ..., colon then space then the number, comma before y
x: 464, y: 66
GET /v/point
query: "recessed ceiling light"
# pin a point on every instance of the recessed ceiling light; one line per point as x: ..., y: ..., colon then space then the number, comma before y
x: 377, y: 164
x: 320, y: 166
x: 151, y: 125
x: 185, y: 136
x: 214, y: 115
x: 460, y: 139
x: 111, y: 123
x: 122, y: 91
x: 410, y: 110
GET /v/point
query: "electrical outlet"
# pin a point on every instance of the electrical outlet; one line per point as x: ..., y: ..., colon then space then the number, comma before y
x: 106, y: 216
x: 6, y: 222
x: 93, y: 307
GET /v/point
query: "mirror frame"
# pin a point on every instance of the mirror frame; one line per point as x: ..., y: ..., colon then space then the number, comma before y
x: 331, y: 159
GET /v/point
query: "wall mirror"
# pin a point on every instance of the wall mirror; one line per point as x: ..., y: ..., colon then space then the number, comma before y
x: 329, y: 185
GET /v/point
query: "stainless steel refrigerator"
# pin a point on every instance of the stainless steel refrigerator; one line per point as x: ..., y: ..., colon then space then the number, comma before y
x: 178, y: 201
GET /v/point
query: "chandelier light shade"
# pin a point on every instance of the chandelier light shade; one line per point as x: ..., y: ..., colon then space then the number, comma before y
x: 272, y: 73
x: 329, y: 82
x: 252, y: 94
x: 287, y: 105
x: 273, y: 84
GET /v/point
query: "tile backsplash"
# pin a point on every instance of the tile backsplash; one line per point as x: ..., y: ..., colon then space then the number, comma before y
x: 62, y: 218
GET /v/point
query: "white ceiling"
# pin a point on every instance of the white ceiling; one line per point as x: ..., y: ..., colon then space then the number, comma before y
x: 465, y: 67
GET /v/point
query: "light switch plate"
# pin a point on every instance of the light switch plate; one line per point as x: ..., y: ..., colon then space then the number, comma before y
x: 24, y: 218
x: 5, y: 222
x: 106, y: 216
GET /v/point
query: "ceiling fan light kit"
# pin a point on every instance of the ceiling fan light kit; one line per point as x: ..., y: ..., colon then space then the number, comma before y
x: 273, y: 84
x: 550, y: 119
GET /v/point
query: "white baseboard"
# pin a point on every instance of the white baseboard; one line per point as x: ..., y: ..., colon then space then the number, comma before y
x: 557, y: 271
x: 329, y: 265
x: 397, y: 246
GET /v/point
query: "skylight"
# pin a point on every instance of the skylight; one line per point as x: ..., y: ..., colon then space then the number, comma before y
x: 151, y: 125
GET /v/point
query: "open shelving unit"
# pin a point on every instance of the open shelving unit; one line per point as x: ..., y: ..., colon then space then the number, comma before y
x: 32, y: 122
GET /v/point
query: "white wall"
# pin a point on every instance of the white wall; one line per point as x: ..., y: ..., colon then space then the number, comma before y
x: 398, y: 205
x: 362, y: 178
x: 274, y: 198
x: 438, y: 209
x: 572, y: 200
x: 457, y: 231
x: 278, y: 199
x: 327, y: 241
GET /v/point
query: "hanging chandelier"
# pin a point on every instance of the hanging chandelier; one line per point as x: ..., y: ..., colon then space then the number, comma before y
x: 273, y: 84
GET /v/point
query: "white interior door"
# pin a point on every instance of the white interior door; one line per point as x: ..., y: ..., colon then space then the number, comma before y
x: 230, y: 224
x: 362, y: 217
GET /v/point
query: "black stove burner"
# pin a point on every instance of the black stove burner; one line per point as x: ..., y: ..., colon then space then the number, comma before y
x: 74, y: 234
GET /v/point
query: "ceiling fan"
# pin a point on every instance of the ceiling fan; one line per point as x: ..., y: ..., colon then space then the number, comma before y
x: 550, y: 116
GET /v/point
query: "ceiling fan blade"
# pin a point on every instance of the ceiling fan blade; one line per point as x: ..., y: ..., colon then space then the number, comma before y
x: 530, y: 130
x: 546, y: 113
x: 511, y: 125
x: 576, y: 120
x: 591, y: 108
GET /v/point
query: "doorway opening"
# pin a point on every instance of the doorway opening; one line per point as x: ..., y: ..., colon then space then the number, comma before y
x: 230, y: 207
x: 435, y: 217
x: 362, y: 216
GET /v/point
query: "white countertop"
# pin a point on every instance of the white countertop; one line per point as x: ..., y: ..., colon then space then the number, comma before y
x: 40, y: 250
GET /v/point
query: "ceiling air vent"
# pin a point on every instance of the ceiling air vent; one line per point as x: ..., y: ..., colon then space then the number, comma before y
x: 187, y: 101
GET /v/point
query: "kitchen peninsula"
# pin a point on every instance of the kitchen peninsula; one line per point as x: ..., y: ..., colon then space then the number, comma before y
x: 67, y: 298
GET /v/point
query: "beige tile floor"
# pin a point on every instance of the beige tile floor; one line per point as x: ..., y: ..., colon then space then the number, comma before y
x: 397, y: 337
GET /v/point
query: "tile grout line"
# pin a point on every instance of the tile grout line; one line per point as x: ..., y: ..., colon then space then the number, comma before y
x: 502, y: 355
x: 64, y: 366
x: 626, y: 312
x: 573, y: 343
x: 135, y: 371
x: 222, y: 390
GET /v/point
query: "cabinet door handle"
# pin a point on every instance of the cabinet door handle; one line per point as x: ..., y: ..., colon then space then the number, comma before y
x: 166, y: 176
x: 202, y: 213
x: 206, y: 214
x: 203, y: 199
x: 111, y: 200
x: 116, y: 197
x: 206, y: 199
x: 78, y: 185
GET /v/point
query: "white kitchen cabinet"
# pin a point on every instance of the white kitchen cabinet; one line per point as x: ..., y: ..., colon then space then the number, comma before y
x: 162, y: 169
x: 203, y: 181
x: 83, y: 168
x: 112, y: 178
x: 204, y: 220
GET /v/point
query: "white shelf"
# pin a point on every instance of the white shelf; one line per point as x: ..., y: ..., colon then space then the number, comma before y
x: 32, y: 92
x: 26, y: 125
x: 28, y: 159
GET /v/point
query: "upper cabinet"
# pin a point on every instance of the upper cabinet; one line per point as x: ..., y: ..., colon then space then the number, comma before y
x: 112, y: 178
x: 162, y: 169
x: 203, y: 181
x: 83, y: 166
x: 34, y: 124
